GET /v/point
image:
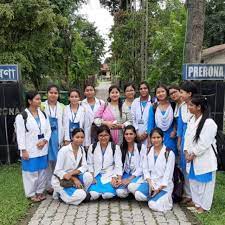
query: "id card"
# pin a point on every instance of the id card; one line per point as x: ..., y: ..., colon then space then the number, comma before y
x: 140, y: 121
x: 41, y: 136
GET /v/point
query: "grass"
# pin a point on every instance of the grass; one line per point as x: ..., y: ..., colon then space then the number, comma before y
x: 217, y: 214
x: 13, y: 203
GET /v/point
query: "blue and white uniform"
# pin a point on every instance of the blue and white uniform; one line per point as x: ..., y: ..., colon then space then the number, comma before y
x: 202, y: 170
x: 139, y: 112
x: 55, y: 115
x: 66, y: 162
x: 91, y: 110
x: 132, y: 167
x: 104, y: 165
x: 159, y: 170
x: 165, y: 121
x: 33, y: 169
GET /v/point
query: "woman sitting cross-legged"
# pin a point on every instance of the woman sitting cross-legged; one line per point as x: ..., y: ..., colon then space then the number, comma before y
x: 72, y: 165
x: 158, y: 167
x: 132, y: 156
x: 104, y: 162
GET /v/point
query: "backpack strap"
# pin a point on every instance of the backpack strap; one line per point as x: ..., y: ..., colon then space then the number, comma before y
x: 154, y: 105
x: 113, y: 146
x: 93, y: 147
x: 44, y: 114
x: 139, y: 145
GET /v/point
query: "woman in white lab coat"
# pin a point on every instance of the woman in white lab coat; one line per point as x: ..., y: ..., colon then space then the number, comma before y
x: 54, y: 110
x: 72, y: 165
x: 200, y: 156
x: 74, y: 116
x: 92, y: 105
x: 33, y: 133
x: 140, y: 111
x: 104, y: 162
x: 158, y: 167
x: 132, y: 158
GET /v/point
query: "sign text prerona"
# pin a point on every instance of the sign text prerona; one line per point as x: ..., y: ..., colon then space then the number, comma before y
x: 9, y: 73
x: 203, y: 72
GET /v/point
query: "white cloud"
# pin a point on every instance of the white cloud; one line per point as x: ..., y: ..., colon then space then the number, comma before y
x: 102, y: 19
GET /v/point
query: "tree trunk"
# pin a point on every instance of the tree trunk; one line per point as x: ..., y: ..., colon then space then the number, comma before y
x: 194, y: 31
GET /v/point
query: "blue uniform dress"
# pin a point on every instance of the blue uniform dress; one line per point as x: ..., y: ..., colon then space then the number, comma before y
x: 37, y: 163
x: 169, y: 142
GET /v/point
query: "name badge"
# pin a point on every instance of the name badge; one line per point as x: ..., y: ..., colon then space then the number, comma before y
x: 41, y: 136
x: 141, y: 121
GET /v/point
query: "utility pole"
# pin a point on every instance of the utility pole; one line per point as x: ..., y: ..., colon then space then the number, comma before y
x: 194, y: 31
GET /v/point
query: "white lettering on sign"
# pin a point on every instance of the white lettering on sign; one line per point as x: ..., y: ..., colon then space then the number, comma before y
x: 213, y: 71
x: 7, y: 73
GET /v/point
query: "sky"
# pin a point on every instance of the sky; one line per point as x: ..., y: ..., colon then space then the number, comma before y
x: 102, y: 19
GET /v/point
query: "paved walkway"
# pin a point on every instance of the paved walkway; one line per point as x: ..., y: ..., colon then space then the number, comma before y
x: 111, y: 212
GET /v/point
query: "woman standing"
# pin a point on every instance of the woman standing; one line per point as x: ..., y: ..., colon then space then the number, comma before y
x: 72, y: 165
x: 187, y: 90
x: 139, y: 111
x: 161, y: 116
x: 104, y: 162
x: 200, y: 156
x: 74, y: 116
x: 132, y: 158
x: 92, y: 104
x: 54, y: 110
x: 158, y: 167
x: 110, y: 114
x: 33, y: 133
x: 129, y: 91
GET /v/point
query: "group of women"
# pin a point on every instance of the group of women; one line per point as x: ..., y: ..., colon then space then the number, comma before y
x: 117, y: 148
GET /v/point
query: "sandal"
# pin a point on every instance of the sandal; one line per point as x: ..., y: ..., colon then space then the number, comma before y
x: 35, y: 198
x: 50, y: 191
x: 41, y: 197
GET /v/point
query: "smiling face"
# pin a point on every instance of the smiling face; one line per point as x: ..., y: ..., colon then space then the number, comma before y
x: 185, y: 96
x: 144, y: 92
x: 129, y: 92
x: 156, y: 139
x: 104, y: 138
x: 114, y: 95
x: 35, y: 102
x: 129, y: 136
x: 194, y: 109
x: 89, y: 92
x: 53, y: 94
x: 74, y: 98
x: 78, y: 138
x: 161, y: 94
x: 174, y: 94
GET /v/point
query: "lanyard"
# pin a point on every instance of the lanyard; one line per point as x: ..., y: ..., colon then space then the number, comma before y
x: 50, y: 110
x: 39, y: 124
x: 130, y: 154
x: 103, y: 153
x: 74, y: 115
x: 142, y: 109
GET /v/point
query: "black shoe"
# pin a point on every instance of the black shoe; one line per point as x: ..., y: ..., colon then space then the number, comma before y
x: 88, y: 198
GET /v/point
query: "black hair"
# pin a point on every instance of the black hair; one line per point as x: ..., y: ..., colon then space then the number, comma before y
x: 120, y: 102
x: 146, y: 84
x: 164, y: 87
x: 158, y: 131
x: 89, y: 85
x: 189, y: 86
x: 77, y: 130
x: 199, y: 100
x: 30, y: 95
x: 128, y: 85
x: 124, y: 146
x: 104, y: 128
x: 74, y: 90
x: 52, y: 86
x: 176, y: 87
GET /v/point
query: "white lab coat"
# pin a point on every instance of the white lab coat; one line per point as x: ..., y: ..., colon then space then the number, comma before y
x: 136, y: 112
x: 111, y: 167
x: 59, y: 116
x: 28, y: 140
x: 90, y: 117
x: 66, y: 163
x: 80, y: 117
x: 205, y: 160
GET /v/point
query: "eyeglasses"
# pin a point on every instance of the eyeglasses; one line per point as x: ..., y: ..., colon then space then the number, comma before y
x: 144, y: 88
x: 174, y: 92
x: 103, y: 135
x: 131, y: 90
